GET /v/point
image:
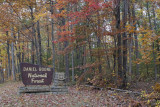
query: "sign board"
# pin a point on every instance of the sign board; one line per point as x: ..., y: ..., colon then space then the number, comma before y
x: 60, y: 76
x: 35, y: 74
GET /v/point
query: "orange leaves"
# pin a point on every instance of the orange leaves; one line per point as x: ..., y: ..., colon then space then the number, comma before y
x: 61, y: 4
x: 64, y: 33
x: 65, y: 36
x: 63, y: 13
x: 130, y: 28
x: 72, y: 1
x: 146, y: 39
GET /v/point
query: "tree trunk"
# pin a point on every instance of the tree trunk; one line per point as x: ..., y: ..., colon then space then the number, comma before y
x: 66, y: 62
x: 125, y: 11
x: 130, y: 43
x: 136, y: 39
x: 33, y: 37
x: 39, y: 43
x: 98, y: 34
x: 99, y: 56
x: 66, y: 57
x: 119, y: 59
x: 73, y: 66
x: 23, y: 52
x: 155, y: 28
x: 154, y: 57
x: 19, y: 56
x: 9, y: 61
x: 48, y: 45
x: 1, y: 75
x: 13, y: 59
x: 52, y: 35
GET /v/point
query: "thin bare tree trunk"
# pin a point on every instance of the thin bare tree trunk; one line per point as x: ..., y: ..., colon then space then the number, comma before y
x: 9, y: 65
x: 136, y: 39
x: 130, y: 42
x: 48, y: 45
x: 1, y: 75
x: 13, y: 58
x: 73, y: 79
x: 23, y: 53
x: 33, y: 37
x: 66, y: 58
x: 39, y: 43
x: 154, y: 57
x: 52, y: 35
x: 155, y: 28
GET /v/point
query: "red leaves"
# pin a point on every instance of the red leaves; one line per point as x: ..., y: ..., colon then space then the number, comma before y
x: 65, y: 36
x: 88, y: 9
x: 73, y: 1
x: 107, y: 4
x: 94, y: 6
x: 65, y: 33
x: 55, y: 42
x: 6, y: 29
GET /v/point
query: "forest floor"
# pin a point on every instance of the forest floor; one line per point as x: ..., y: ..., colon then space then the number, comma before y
x: 77, y: 97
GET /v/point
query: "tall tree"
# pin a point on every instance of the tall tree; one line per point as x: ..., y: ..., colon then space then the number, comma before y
x: 119, y: 45
x: 135, y: 36
x: 39, y: 43
x: 9, y: 66
x: 52, y: 35
x: 125, y: 11
x: 153, y: 45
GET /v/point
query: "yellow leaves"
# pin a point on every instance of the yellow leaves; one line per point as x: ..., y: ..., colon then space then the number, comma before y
x: 137, y: 61
x: 133, y: 1
x: 61, y: 4
x: 158, y: 57
x: 42, y: 12
x: 88, y: 79
x: 146, y: 39
x: 146, y: 52
x: 40, y: 15
x: 157, y: 87
x: 130, y: 28
x: 1, y: 1
x: 29, y: 2
x: 63, y: 12
x: 25, y: 14
x: 113, y: 74
x: 158, y: 13
x: 140, y: 11
x: 76, y: 76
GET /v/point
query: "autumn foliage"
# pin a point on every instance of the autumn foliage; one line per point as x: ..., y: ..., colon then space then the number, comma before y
x: 103, y: 43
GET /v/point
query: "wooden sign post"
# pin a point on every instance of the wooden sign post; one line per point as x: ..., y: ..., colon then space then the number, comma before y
x: 59, y: 85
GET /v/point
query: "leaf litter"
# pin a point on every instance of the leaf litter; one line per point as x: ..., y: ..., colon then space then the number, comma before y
x: 83, y: 97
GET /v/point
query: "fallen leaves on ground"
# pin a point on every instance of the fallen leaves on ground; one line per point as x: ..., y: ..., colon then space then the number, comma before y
x: 9, y: 97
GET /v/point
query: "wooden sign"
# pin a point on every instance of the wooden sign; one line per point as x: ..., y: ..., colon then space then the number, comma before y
x: 60, y: 76
x: 35, y: 74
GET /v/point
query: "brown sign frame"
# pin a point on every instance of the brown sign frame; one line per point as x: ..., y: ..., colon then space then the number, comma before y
x: 35, y: 74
